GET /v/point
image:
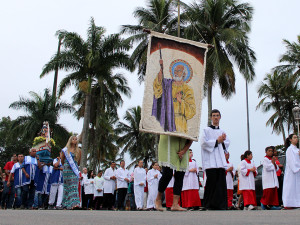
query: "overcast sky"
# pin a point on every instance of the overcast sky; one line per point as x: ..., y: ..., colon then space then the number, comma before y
x: 28, y: 41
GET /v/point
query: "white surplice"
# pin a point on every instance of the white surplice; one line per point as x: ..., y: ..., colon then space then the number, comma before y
x: 109, y: 185
x: 98, y: 184
x: 269, y: 176
x: 247, y: 178
x: 121, y: 174
x: 213, y: 156
x: 190, y: 180
x: 139, y: 177
x: 229, y: 176
x: 152, y: 187
x: 291, y: 182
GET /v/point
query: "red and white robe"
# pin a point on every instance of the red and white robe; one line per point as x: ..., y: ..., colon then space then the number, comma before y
x: 190, y: 189
x: 229, y: 183
x: 247, y: 183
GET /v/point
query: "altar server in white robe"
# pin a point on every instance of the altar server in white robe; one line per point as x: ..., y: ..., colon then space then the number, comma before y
x: 169, y: 193
x: 230, y: 171
x: 109, y: 186
x: 123, y: 178
x: 139, y: 184
x: 214, y: 144
x: 190, y: 190
x: 98, y: 188
x: 153, y: 177
x: 247, y: 182
x: 270, y: 182
x: 291, y: 182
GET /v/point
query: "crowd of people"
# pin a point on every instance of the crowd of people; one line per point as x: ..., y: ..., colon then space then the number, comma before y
x: 29, y: 183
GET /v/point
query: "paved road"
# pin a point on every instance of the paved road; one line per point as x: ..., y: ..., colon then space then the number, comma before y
x: 54, y: 217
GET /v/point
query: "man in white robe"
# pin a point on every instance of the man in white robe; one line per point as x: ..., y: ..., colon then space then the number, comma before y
x: 213, y: 148
x: 109, y: 186
x: 123, y: 178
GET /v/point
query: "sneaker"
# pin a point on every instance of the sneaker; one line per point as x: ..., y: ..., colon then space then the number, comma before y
x: 245, y: 208
x: 251, y: 207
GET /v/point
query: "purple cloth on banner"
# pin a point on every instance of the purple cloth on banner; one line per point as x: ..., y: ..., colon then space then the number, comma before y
x: 162, y: 107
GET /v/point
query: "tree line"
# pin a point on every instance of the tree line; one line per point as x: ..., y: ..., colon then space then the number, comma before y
x: 91, y: 64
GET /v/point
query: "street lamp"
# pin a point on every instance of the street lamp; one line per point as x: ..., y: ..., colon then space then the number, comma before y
x: 296, y: 113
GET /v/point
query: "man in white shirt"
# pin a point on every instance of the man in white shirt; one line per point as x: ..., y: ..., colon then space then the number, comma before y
x: 109, y: 186
x: 213, y: 148
x: 83, y: 180
x: 123, y: 178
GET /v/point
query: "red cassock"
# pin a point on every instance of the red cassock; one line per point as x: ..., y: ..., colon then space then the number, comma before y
x: 169, y: 197
x: 249, y: 197
x: 229, y: 197
x: 270, y: 197
x: 190, y: 198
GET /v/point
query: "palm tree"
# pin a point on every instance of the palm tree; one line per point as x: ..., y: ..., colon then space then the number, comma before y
x: 225, y: 24
x: 291, y: 58
x: 280, y: 95
x: 39, y: 109
x: 158, y: 16
x: 89, y: 61
x: 139, y: 145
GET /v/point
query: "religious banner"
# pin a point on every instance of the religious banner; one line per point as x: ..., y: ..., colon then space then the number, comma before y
x: 173, y: 86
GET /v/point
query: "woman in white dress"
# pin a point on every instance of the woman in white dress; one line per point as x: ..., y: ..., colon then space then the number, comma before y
x: 291, y: 182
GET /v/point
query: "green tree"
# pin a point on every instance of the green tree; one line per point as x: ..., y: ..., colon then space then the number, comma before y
x: 39, y: 109
x: 139, y: 145
x: 89, y: 61
x: 225, y: 24
x: 281, y: 95
x: 158, y: 16
x: 291, y: 58
x: 10, y: 142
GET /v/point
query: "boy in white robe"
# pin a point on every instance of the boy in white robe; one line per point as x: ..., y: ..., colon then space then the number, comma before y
x: 247, y: 182
x: 291, y: 182
x: 139, y: 184
x: 190, y: 190
x: 214, y: 144
x: 153, y: 177
x: 270, y: 184
x: 230, y: 171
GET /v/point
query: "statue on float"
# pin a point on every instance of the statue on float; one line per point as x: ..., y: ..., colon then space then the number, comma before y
x: 43, y: 144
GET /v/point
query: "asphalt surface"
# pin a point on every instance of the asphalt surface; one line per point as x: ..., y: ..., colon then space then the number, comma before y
x: 56, y: 217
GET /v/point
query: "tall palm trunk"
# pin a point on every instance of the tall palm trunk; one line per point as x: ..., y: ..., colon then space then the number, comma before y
x: 86, y: 122
x: 209, y: 104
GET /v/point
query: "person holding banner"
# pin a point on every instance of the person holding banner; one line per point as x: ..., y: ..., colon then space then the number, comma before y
x: 70, y: 158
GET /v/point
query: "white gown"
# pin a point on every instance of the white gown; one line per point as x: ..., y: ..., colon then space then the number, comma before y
x: 190, y: 180
x: 213, y: 157
x: 109, y: 185
x: 139, y: 177
x: 247, y: 181
x: 229, y: 177
x: 152, y: 187
x: 291, y: 182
